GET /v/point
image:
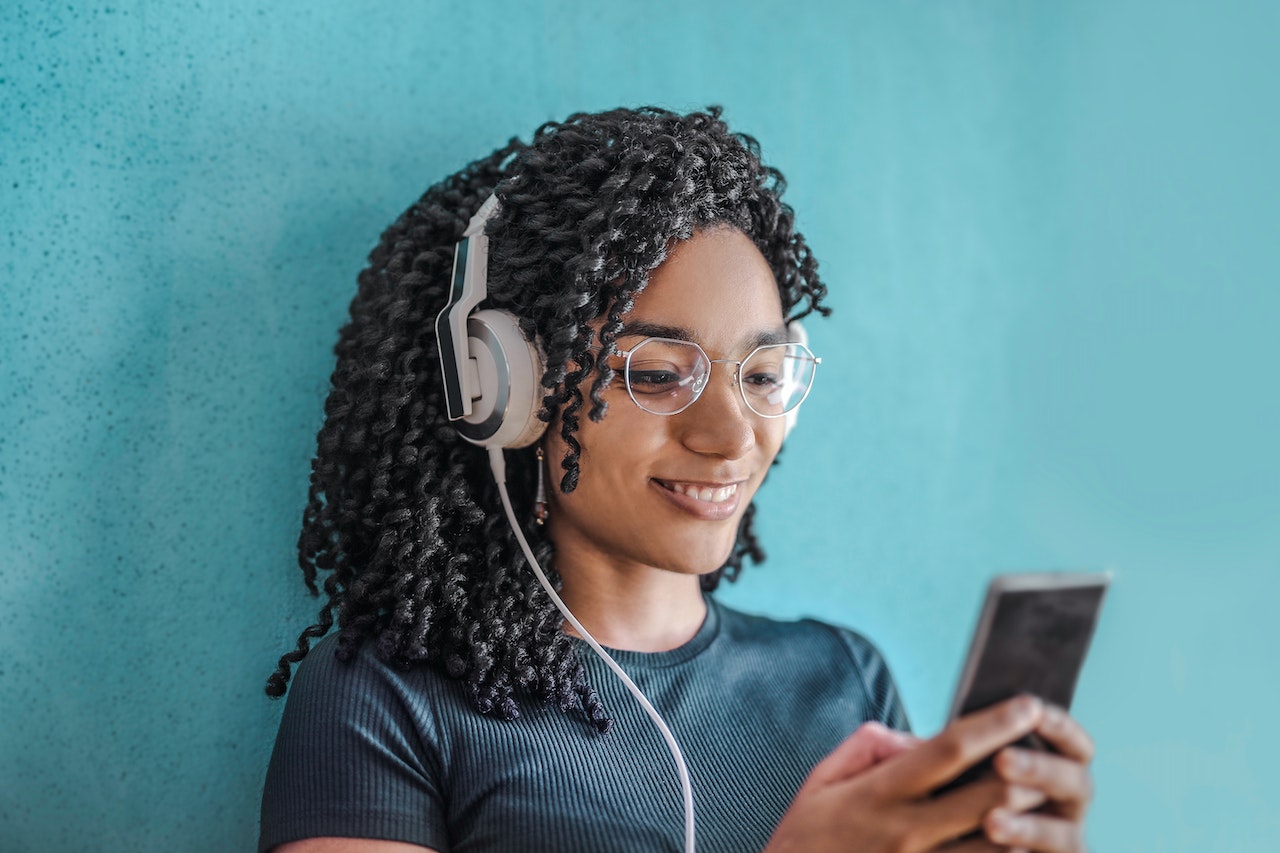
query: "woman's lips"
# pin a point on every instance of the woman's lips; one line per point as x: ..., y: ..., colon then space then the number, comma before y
x: 710, y: 501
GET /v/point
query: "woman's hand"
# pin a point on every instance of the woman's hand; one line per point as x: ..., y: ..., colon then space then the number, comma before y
x: 1063, y: 779
x: 875, y: 791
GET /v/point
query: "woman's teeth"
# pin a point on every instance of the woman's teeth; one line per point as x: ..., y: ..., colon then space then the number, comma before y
x: 705, y: 493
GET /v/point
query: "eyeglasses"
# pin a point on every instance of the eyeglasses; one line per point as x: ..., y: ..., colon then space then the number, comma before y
x: 665, y: 376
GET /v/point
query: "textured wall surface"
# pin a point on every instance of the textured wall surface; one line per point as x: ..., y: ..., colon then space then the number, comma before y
x: 1049, y: 230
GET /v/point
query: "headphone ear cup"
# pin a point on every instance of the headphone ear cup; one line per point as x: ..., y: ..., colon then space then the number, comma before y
x: 509, y: 371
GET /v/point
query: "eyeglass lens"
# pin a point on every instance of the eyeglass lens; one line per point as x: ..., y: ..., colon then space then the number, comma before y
x: 665, y: 376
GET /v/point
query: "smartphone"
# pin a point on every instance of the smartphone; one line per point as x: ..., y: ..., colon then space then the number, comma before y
x: 1033, y: 634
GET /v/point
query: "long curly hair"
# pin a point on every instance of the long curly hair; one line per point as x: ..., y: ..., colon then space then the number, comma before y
x: 403, y: 518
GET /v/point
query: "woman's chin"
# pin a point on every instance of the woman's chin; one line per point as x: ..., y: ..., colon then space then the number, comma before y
x: 698, y: 559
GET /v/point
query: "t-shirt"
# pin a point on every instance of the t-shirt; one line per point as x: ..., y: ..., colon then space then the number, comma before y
x: 369, y: 750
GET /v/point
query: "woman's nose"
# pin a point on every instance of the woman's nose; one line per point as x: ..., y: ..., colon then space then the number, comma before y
x: 719, y: 422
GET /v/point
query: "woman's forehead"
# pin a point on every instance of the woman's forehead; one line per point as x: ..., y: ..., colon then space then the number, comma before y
x: 713, y: 288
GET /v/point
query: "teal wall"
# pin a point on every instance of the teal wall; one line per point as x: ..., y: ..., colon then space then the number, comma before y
x: 1050, y: 233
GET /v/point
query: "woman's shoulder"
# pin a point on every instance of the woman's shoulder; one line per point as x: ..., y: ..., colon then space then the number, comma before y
x: 813, y: 648
x: 813, y: 634
x: 334, y: 661
x: 356, y: 681
x: 357, y: 752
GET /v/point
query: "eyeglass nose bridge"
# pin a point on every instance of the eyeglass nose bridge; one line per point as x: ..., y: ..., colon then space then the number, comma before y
x: 737, y: 363
x: 700, y: 384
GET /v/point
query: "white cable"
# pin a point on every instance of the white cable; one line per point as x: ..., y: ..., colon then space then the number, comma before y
x: 498, y: 462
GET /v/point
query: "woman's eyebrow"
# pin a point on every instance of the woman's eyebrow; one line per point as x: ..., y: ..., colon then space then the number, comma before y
x: 643, y: 329
x: 772, y: 336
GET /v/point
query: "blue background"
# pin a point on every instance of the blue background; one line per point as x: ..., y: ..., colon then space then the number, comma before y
x: 1050, y: 233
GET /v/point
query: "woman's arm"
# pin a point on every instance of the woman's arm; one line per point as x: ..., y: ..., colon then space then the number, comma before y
x: 350, y: 845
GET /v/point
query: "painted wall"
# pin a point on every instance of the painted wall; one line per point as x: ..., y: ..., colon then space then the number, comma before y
x: 1050, y: 235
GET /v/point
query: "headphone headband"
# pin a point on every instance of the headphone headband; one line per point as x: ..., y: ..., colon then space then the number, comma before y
x: 469, y: 287
x: 491, y: 371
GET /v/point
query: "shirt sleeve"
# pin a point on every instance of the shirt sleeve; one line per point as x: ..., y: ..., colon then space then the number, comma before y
x: 886, y: 702
x: 356, y: 756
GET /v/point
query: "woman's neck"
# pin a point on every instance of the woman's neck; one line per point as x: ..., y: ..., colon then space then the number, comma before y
x: 647, y: 611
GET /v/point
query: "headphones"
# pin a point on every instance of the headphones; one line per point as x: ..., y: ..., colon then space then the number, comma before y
x: 492, y: 372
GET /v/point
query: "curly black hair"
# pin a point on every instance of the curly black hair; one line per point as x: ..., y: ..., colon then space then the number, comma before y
x: 402, y: 514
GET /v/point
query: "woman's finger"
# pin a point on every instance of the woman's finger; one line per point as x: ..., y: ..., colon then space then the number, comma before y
x: 1066, y: 735
x: 870, y: 744
x: 960, y: 745
x: 1038, y: 832
x: 960, y: 812
x: 1063, y: 780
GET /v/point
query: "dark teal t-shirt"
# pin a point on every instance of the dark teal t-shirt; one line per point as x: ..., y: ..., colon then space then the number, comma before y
x: 367, y: 750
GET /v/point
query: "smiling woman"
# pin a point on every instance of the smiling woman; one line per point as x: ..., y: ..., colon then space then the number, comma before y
x: 662, y: 498
x: 649, y: 258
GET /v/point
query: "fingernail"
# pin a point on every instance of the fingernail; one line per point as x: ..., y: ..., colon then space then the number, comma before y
x: 998, y: 825
x: 1003, y: 825
x: 1029, y: 707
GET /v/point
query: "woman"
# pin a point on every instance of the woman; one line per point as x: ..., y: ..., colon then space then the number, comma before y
x: 455, y: 709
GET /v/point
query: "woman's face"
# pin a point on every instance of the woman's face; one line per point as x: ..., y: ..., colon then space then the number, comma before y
x: 668, y: 492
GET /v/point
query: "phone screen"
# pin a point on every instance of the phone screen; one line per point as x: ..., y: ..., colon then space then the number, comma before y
x: 1032, y: 637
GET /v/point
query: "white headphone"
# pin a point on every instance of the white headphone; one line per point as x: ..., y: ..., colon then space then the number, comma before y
x: 492, y: 372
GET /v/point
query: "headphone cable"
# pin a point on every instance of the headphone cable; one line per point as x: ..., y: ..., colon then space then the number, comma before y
x: 498, y: 462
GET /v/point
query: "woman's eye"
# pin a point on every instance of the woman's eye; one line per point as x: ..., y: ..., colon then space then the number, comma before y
x: 761, y: 385
x: 654, y: 381
x: 763, y: 382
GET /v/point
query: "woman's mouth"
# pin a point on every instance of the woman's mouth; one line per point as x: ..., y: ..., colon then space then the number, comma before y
x: 708, y: 501
x: 709, y: 494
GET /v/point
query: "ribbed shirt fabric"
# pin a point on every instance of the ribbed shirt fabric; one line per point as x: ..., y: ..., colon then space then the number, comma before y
x: 370, y: 751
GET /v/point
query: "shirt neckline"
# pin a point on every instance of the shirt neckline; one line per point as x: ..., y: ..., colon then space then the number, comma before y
x: 695, y: 646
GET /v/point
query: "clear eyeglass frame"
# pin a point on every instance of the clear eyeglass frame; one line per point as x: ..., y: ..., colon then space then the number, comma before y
x: 802, y: 361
